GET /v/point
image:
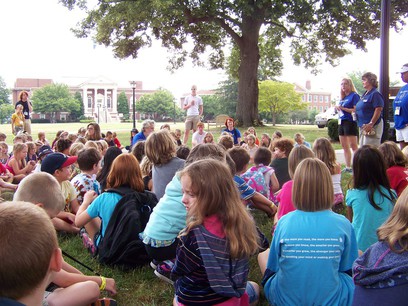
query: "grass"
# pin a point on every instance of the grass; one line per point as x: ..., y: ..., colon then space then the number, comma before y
x: 141, y: 286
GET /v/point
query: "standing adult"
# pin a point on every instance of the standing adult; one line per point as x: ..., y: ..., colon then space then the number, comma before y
x: 147, y: 129
x: 348, y: 130
x: 194, y: 106
x: 27, y: 109
x: 235, y: 133
x: 401, y: 110
x: 369, y: 112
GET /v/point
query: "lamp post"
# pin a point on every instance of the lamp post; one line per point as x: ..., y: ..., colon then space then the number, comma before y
x: 133, y: 84
x: 98, y: 105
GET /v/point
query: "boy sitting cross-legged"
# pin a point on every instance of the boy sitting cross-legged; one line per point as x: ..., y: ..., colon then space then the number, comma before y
x: 58, y: 165
x: 74, y: 287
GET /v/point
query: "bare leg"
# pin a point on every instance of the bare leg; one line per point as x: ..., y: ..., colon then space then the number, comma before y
x: 186, y: 133
x: 62, y: 225
x: 83, y: 293
x: 346, y: 149
x: 263, y: 260
x: 256, y: 288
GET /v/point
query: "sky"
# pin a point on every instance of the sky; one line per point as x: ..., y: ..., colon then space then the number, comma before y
x: 37, y: 43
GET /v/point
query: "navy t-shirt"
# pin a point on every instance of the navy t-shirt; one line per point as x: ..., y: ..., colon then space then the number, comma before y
x: 366, y: 106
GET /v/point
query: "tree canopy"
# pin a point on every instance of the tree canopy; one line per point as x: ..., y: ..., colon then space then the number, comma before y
x: 317, y: 30
x: 123, y: 105
x: 4, y: 93
x: 158, y: 105
x: 279, y: 98
x: 54, y: 98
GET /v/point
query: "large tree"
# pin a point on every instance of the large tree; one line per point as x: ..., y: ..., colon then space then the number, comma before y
x: 278, y: 98
x: 53, y: 98
x: 318, y: 31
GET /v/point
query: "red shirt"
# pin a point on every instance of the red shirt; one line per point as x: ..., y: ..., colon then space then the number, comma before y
x: 398, y: 177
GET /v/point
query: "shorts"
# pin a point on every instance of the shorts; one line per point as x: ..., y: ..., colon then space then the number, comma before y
x: 402, y: 134
x: 191, y: 122
x: 348, y: 128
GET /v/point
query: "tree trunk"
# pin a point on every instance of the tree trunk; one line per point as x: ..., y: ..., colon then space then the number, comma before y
x: 247, y: 106
x: 273, y: 117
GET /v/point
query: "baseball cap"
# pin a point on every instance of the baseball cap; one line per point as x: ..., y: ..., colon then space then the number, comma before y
x: 134, y: 131
x: 55, y: 161
x: 404, y: 68
x: 44, y: 150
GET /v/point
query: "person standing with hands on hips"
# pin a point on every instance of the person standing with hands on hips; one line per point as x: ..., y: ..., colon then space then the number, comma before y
x: 369, y: 112
x: 401, y: 110
x: 348, y: 130
x: 194, y: 106
x: 27, y: 109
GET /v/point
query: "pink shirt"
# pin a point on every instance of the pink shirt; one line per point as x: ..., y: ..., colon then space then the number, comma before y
x: 285, y: 199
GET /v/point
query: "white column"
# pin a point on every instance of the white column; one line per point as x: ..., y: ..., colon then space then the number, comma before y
x: 115, y: 100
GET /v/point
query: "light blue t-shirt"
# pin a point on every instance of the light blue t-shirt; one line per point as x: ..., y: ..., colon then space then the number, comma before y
x: 310, y: 253
x: 366, y: 106
x: 103, y: 207
x: 401, y: 101
x: 367, y: 219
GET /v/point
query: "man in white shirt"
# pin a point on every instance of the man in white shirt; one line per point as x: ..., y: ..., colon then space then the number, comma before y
x: 199, y: 135
x: 194, y: 106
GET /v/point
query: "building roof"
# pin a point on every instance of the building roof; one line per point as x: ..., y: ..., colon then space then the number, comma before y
x: 31, y: 83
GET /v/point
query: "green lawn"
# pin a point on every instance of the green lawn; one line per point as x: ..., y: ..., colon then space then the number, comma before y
x: 311, y: 132
x: 141, y: 286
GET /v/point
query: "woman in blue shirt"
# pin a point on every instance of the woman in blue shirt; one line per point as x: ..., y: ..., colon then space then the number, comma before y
x: 369, y: 112
x: 348, y: 130
x: 235, y: 133
x: 401, y: 110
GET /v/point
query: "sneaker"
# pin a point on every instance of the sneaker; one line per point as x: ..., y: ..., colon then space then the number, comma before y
x: 88, y: 243
x: 347, y: 170
x: 154, y: 263
x: 163, y: 271
x: 105, y: 302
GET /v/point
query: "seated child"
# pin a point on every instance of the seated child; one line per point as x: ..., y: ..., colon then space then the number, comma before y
x: 58, y: 165
x: 4, y: 156
x: 280, y: 152
x: 89, y: 162
x: 6, y: 179
x: 240, y: 156
x: 261, y: 177
x: 313, y: 248
x: 74, y: 287
x: 380, y: 274
x: 30, y: 263
x: 212, y: 262
x: 116, y: 140
x: 17, y: 164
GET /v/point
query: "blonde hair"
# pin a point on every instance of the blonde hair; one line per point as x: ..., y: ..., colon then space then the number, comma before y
x: 209, y: 135
x: 296, y: 156
x: 30, y: 145
x: 324, y: 151
x: 146, y: 166
x: 28, y: 242
x: 17, y: 148
x: 312, y: 186
x: 49, y: 195
x: 91, y: 144
x: 160, y: 147
x: 225, y: 202
x: 395, y: 230
x: 352, y: 87
x: 125, y: 171
x: 75, y: 148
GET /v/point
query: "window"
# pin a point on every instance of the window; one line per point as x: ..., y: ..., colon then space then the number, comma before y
x: 109, y: 102
x: 315, y: 98
x: 321, y: 98
x: 89, y: 101
x: 310, y: 98
x: 326, y: 98
x: 42, y: 116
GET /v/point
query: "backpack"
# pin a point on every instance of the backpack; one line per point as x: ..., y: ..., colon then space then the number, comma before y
x: 256, y: 180
x: 121, y: 245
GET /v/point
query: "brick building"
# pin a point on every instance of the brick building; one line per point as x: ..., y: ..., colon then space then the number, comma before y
x: 317, y: 99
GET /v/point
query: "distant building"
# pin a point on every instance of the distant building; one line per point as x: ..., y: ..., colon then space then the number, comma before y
x: 99, y: 96
x: 317, y: 99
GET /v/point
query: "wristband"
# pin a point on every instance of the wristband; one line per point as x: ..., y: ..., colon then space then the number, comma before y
x: 103, y: 283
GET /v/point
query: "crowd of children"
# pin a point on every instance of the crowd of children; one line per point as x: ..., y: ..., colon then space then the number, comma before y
x: 200, y: 234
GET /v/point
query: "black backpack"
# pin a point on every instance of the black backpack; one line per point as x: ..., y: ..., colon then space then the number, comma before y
x: 121, y: 245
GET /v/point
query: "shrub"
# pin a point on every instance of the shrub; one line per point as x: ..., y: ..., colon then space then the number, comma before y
x: 40, y: 121
x: 333, y: 130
